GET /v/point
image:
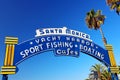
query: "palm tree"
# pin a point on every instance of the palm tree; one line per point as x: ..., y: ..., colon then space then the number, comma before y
x: 106, y: 75
x: 99, y: 72
x: 87, y: 79
x: 94, y: 20
x: 98, y: 68
x: 114, y: 4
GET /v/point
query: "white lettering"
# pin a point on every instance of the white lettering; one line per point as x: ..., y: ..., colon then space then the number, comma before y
x: 31, y: 50
x: 22, y: 54
x: 37, y: 41
x: 61, y: 31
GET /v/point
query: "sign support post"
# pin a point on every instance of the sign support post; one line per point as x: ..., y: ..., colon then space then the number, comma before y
x: 8, y: 67
x: 114, y: 69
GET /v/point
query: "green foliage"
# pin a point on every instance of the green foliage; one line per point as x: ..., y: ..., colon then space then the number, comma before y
x: 102, y: 72
x: 114, y: 5
x: 106, y: 75
x: 94, y: 19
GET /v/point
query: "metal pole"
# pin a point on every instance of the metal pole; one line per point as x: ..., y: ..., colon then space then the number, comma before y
x: 5, y: 77
x: 116, y: 76
x: 112, y: 76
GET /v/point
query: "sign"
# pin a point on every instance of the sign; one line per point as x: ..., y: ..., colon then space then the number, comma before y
x: 63, y: 41
x: 61, y: 31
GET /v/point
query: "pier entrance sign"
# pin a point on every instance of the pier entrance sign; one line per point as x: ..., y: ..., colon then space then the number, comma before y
x: 62, y: 41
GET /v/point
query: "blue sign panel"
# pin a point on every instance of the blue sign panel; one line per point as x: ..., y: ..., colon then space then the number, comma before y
x: 62, y: 45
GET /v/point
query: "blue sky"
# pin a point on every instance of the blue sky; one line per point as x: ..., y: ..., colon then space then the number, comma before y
x: 20, y: 18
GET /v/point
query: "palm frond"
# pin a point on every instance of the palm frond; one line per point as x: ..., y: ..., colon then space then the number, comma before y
x: 106, y: 75
x: 114, y: 5
x: 94, y: 19
x: 109, y: 2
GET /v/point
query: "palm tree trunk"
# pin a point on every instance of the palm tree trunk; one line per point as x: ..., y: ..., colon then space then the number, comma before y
x: 103, y: 37
x: 99, y: 76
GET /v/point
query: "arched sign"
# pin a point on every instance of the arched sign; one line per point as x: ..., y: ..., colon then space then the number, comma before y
x: 63, y: 41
